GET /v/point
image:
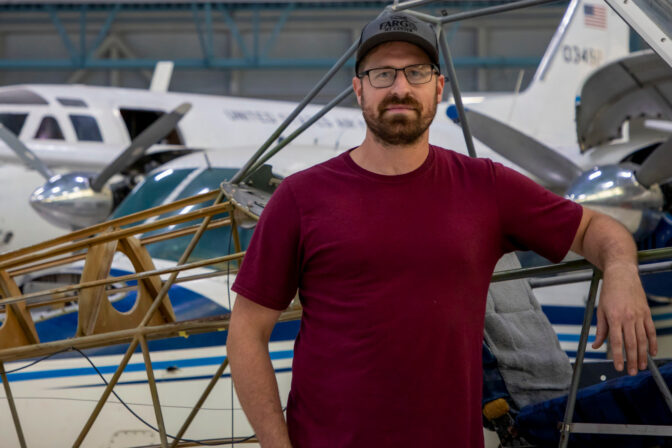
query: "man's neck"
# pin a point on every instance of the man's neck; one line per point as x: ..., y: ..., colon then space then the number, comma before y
x: 390, y: 160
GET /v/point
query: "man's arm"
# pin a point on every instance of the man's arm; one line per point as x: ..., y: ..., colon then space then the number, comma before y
x: 623, y: 312
x: 252, y: 371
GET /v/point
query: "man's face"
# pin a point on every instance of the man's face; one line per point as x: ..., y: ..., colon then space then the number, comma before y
x: 399, y: 114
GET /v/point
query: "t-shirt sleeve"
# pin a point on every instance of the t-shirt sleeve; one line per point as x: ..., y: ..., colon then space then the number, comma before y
x: 533, y: 218
x: 269, y: 274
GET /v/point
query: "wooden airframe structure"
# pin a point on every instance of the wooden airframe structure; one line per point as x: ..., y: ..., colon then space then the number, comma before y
x: 98, y: 323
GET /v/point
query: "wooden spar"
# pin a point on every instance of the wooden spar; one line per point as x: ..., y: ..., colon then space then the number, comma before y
x: 153, y: 391
x: 18, y: 327
x: 170, y: 330
x: 83, y: 244
x: 64, y: 297
x: 122, y: 278
x: 197, y: 407
x: 123, y: 221
x: 222, y: 222
x: 12, y: 406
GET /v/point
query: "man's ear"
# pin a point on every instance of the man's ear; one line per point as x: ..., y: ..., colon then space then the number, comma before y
x: 357, y: 87
x: 440, y: 84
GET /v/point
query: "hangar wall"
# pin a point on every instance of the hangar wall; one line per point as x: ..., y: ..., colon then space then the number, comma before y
x: 254, y: 49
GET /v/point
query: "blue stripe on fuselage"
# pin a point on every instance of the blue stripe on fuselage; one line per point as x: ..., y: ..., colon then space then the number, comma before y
x: 132, y: 367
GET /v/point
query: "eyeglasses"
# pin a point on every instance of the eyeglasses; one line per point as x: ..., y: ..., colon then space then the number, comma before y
x: 385, y: 77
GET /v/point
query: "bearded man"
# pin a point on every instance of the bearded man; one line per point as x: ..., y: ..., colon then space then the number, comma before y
x: 391, y: 246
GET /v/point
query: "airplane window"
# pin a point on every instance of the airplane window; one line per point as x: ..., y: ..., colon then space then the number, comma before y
x: 152, y: 191
x: 21, y: 96
x: 138, y: 120
x: 49, y: 129
x: 13, y: 122
x: 214, y: 242
x: 86, y: 128
x: 72, y: 102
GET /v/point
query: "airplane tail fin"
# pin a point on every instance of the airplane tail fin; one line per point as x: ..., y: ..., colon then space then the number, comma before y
x: 163, y: 72
x: 589, y: 35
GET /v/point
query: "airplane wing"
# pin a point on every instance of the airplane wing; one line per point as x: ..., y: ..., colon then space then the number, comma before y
x: 639, y: 85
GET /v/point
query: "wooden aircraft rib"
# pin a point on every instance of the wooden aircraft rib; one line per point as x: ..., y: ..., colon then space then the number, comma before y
x: 118, y: 222
x: 101, y: 238
x: 18, y: 328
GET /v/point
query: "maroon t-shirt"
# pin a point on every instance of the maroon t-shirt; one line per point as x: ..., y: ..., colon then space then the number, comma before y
x: 393, y: 273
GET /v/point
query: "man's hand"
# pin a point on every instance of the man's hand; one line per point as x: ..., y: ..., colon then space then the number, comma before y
x: 623, y: 312
x: 624, y: 315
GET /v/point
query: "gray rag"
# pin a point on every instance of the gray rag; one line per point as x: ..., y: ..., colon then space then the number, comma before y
x: 519, y: 335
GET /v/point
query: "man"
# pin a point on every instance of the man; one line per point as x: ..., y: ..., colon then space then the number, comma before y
x: 391, y: 246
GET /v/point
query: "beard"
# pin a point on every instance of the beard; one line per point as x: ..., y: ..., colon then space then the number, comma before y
x: 398, y: 129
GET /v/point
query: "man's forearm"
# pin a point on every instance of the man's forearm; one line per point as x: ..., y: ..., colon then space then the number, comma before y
x: 623, y: 313
x: 257, y: 389
x: 607, y: 244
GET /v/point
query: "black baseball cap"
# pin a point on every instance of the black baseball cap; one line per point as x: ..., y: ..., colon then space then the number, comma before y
x: 398, y: 26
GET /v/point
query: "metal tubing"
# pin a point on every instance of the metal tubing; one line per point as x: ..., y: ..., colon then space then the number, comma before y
x: 341, y: 96
x: 153, y: 391
x: 240, y: 175
x: 575, y: 278
x: 199, y: 403
x: 621, y: 429
x: 12, y: 406
x: 578, y: 363
x: 426, y: 17
x: 457, y: 96
x: 643, y: 256
x: 410, y: 4
x: 660, y: 382
x: 493, y: 10
x: 148, y: 315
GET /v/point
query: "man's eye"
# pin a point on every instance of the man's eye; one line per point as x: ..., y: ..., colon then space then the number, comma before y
x: 382, y: 75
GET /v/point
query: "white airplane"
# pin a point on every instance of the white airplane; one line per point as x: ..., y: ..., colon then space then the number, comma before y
x: 235, y: 128
x: 82, y: 129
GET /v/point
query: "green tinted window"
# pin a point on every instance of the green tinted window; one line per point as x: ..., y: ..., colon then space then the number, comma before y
x: 151, y: 192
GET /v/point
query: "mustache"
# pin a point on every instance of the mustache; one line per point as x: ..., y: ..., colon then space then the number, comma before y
x: 399, y: 101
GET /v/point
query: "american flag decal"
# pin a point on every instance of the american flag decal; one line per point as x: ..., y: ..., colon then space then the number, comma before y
x: 595, y: 15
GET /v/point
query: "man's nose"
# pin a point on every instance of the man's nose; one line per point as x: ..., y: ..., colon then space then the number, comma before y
x: 400, y: 83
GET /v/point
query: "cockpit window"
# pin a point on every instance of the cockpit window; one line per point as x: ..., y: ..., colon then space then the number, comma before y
x: 86, y: 128
x: 151, y: 192
x: 21, y: 96
x: 72, y: 102
x: 138, y: 120
x: 214, y: 242
x: 49, y: 129
x: 13, y: 122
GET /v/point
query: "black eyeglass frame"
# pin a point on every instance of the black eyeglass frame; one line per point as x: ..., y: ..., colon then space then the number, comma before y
x: 435, y: 71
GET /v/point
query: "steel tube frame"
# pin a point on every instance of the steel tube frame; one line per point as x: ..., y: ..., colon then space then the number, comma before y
x: 333, y: 103
x: 241, y: 174
x: 457, y: 95
x: 660, y: 382
x: 12, y: 406
x: 578, y: 364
